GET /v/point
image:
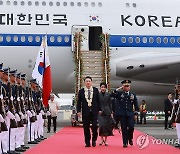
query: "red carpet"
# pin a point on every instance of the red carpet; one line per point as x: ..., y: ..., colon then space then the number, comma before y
x: 70, y: 140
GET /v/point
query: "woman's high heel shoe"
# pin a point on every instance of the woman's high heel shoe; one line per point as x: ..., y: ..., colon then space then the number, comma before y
x: 101, y: 143
x: 106, y: 144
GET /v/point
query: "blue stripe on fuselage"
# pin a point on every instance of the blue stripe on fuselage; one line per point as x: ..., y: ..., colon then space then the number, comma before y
x: 115, y: 40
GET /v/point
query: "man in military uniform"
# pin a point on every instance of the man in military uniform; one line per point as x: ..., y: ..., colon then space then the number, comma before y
x: 4, y: 130
x: 126, y: 100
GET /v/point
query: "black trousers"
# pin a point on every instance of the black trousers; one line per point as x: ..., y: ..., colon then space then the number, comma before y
x: 54, y: 123
x: 167, y: 115
x: 86, y: 125
x: 127, y: 126
x: 142, y: 116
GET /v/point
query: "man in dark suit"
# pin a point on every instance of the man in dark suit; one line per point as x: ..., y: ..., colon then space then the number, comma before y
x: 125, y: 102
x: 168, y: 109
x: 89, y: 104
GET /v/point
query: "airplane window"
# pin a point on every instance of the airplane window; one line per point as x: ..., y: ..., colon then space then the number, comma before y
x: 127, y: 4
x: 100, y: 4
x: 22, y: 3
x: 66, y: 39
x: 52, y: 39
x: 51, y: 3
x: 151, y: 39
x: 58, y: 3
x: 29, y: 3
x: 30, y: 38
x: 172, y: 40
x: 144, y: 39
x: 23, y: 38
x: 134, y: 4
x: 130, y: 40
x: 37, y: 39
x: 1, y: 2
x: 15, y: 2
x: 65, y: 3
x: 158, y: 40
x: 15, y: 38
x: 8, y: 38
x: 93, y: 4
x: 1, y: 38
x: 123, y: 40
x: 178, y: 40
x: 86, y: 4
x: 59, y: 39
x: 165, y: 40
x: 8, y: 2
x: 79, y: 4
x: 30, y: 66
x: 137, y: 40
x: 43, y: 3
x: 72, y: 3
x: 37, y: 3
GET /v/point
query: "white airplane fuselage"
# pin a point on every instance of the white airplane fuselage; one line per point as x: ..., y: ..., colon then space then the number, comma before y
x: 144, y: 39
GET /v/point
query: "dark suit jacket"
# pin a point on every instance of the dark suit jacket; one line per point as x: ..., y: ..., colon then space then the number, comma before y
x: 106, y: 104
x: 167, y: 105
x: 125, y: 104
x: 82, y: 104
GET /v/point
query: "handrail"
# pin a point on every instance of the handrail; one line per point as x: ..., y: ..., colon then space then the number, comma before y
x: 106, y: 73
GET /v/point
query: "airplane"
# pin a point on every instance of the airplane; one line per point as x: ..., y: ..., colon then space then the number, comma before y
x: 144, y: 40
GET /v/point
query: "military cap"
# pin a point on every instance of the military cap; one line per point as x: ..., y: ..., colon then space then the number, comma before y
x: 1, y: 66
x: 6, y: 70
x: 13, y: 72
x: 33, y: 81
x: 126, y: 82
x: 23, y: 76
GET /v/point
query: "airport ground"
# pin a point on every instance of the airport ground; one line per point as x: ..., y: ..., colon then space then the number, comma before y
x: 154, y: 128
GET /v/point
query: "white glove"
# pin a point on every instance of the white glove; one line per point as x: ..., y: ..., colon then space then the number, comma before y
x: 10, y: 115
x: 17, y: 117
x: 29, y: 114
x: 1, y: 118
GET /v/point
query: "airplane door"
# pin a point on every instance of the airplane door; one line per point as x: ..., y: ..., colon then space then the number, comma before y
x: 85, y: 36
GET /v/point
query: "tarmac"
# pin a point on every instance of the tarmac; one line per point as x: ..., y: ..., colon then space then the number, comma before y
x: 152, y: 128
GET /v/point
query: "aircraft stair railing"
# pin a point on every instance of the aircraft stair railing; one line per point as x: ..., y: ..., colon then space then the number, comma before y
x: 106, y: 59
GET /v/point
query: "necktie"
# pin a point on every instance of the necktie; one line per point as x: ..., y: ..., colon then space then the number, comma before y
x: 89, y: 93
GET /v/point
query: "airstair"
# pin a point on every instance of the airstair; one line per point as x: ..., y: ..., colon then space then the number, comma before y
x: 94, y: 63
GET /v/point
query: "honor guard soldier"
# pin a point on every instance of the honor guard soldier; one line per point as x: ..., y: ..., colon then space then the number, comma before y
x: 23, y: 114
x: 42, y: 114
x: 31, y: 115
x: 175, y: 117
x: 36, y: 108
x: 126, y: 100
x: 3, y: 126
x: 10, y: 118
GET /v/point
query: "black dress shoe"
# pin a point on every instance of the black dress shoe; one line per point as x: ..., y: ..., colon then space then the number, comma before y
x: 25, y: 147
x: 20, y: 149
x: 125, y: 145
x: 87, y: 145
x: 13, y: 152
x: 93, y: 143
x: 131, y: 142
x: 48, y: 131
x: 177, y: 145
x: 32, y: 142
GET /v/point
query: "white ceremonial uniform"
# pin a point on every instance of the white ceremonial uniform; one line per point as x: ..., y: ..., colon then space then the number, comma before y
x: 30, y: 127
x: 11, y: 131
x: 41, y: 123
